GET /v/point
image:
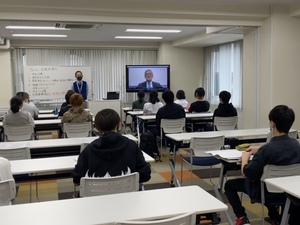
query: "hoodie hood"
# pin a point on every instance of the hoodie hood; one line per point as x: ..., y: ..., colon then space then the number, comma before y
x: 109, y: 146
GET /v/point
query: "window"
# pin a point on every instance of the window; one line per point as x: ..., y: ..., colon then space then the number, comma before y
x: 223, y: 71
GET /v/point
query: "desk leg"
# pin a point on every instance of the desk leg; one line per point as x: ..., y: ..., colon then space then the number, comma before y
x: 218, y: 195
x: 221, y: 178
x: 174, y: 176
x: 125, y: 122
x: 284, y: 219
x: 173, y: 162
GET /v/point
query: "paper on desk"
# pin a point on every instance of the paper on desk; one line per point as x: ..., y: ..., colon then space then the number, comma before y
x: 11, y: 145
x: 226, y: 154
x: 88, y: 139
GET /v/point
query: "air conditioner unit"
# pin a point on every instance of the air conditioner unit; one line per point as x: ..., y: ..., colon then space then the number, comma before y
x: 78, y: 25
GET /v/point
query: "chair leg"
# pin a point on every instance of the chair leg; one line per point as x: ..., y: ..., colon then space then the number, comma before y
x: 37, y: 191
x: 181, y: 173
x: 30, y: 190
x: 191, y: 173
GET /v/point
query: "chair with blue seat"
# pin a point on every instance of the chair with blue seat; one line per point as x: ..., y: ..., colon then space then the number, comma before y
x: 198, y: 156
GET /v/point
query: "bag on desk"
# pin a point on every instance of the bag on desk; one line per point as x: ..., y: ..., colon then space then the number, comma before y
x: 148, y: 144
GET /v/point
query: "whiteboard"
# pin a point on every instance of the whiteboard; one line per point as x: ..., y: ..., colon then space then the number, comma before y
x: 52, y: 82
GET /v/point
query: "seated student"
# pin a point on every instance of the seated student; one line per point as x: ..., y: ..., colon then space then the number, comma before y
x: 5, y: 169
x: 16, y: 116
x: 76, y: 114
x: 28, y: 105
x: 181, y: 100
x: 153, y: 105
x: 225, y: 109
x: 200, y: 105
x: 140, y: 102
x: 66, y: 105
x: 281, y: 150
x: 138, y: 105
x: 169, y: 111
x: 111, y: 154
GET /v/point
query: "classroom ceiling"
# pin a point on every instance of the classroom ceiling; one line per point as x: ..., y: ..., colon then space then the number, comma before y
x: 103, y: 20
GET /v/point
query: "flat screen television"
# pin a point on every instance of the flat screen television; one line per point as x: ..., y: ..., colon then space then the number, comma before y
x: 138, y: 75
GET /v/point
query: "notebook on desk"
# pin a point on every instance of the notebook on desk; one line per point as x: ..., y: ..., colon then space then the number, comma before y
x: 112, y: 95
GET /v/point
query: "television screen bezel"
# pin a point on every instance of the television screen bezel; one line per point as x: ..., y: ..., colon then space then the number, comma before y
x: 148, y: 67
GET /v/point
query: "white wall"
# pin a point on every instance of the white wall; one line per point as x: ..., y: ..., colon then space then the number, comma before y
x: 186, y: 68
x: 271, y: 77
x: 6, y: 78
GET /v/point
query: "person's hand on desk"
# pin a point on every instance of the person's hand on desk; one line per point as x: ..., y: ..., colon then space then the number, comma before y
x: 252, y: 149
x: 245, y: 159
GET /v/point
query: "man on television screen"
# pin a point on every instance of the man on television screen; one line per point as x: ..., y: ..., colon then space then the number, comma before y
x: 149, y: 84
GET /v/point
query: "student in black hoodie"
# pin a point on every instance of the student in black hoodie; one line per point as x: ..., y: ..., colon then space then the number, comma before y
x: 225, y: 109
x: 111, y: 154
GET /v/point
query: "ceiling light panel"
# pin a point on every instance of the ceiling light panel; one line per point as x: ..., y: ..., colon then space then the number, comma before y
x: 153, y: 31
x: 39, y: 35
x: 34, y: 28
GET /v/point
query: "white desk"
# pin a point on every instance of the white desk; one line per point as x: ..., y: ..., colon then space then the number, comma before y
x: 47, y: 116
x: 187, y: 115
x: 53, y: 145
x: 108, y: 209
x: 289, y: 185
x: 54, y: 164
x: 242, y: 133
x: 43, y: 122
x: 46, y: 111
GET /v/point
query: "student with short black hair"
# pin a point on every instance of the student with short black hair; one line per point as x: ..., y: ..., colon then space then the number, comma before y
x: 281, y: 150
x: 140, y: 102
x: 170, y: 110
x: 111, y: 154
x: 66, y: 105
x: 225, y: 109
x: 200, y: 105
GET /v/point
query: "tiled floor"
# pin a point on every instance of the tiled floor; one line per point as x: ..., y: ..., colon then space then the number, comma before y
x: 160, y: 178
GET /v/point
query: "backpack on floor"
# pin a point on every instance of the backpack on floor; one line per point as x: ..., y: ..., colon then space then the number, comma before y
x: 148, y: 145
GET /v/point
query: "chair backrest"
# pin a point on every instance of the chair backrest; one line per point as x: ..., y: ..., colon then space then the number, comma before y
x: 183, y: 219
x: 169, y: 126
x: 225, y: 123
x: 93, y: 186
x: 15, y: 153
x: 18, y: 133
x: 200, y: 145
x: 272, y: 171
x: 83, y: 145
x: 292, y: 134
x: 75, y: 130
x: 7, y: 191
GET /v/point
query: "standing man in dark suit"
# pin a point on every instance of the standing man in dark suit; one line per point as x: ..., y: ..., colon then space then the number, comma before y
x: 149, y: 84
x: 80, y: 86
